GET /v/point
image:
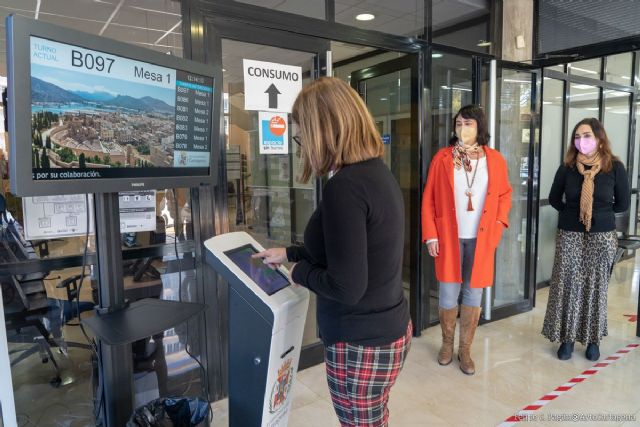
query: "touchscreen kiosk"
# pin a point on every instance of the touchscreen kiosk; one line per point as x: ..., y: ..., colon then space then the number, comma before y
x: 266, y: 324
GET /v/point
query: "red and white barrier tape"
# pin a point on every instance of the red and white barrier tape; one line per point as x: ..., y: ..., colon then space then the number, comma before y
x: 528, y: 410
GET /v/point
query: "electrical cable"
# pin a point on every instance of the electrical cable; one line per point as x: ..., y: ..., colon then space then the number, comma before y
x: 91, y: 341
x: 186, y: 341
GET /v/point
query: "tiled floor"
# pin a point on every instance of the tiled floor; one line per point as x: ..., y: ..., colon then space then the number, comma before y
x: 515, y: 367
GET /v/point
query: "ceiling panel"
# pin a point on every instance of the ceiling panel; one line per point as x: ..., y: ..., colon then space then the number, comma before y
x: 88, y: 9
x: 141, y: 22
x: 86, y: 25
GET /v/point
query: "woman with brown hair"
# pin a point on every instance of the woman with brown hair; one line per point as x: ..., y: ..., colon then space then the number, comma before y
x: 588, y: 189
x: 352, y: 256
x: 465, y: 208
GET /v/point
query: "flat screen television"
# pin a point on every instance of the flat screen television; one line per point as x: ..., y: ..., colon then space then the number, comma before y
x: 88, y: 114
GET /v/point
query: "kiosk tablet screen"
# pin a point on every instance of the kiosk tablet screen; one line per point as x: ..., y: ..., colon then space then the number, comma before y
x: 270, y: 281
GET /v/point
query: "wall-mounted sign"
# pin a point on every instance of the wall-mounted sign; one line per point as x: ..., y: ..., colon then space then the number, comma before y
x: 269, y: 86
x: 274, y: 133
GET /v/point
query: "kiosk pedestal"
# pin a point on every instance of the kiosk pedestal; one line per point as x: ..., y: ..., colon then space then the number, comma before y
x: 266, y: 324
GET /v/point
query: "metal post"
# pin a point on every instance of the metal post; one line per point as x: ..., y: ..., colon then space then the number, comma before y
x: 116, y: 365
x: 638, y: 317
x: 492, y: 143
x: 7, y: 404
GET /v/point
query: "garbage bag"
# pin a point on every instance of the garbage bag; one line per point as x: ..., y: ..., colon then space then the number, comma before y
x: 170, y: 412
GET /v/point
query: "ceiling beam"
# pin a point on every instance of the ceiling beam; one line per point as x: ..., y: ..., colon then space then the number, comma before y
x: 38, y: 4
x: 169, y: 31
x: 113, y: 14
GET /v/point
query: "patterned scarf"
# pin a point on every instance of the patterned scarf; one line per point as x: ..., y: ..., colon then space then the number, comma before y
x: 461, y: 155
x: 586, y: 196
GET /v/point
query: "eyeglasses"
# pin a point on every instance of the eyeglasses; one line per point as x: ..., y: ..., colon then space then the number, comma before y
x: 297, y: 140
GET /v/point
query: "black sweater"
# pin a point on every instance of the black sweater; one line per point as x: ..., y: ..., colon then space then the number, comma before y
x: 352, y: 258
x: 611, y: 195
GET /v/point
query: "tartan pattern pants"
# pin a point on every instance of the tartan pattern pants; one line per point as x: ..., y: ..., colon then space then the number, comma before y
x: 360, y: 379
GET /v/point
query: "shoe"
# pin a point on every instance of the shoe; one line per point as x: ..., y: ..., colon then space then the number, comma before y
x: 469, y: 317
x: 593, y: 352
x: 565, y: 350
x: 448, y: 326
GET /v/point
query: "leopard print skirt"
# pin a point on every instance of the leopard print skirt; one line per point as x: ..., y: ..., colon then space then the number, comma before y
x: 577, y: 307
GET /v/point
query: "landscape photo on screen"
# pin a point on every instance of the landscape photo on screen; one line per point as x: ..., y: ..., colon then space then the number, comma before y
x: 99, y: 115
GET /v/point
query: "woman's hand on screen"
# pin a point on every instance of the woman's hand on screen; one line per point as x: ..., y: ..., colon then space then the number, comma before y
x: 273, y: 257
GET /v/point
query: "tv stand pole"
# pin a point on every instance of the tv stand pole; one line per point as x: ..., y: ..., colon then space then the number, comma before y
x: 115, y: 361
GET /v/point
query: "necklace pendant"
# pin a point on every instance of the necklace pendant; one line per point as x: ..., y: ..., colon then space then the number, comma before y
x: 470, y: 203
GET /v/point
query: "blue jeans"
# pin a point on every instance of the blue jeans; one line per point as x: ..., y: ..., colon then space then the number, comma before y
x: 449, y: 292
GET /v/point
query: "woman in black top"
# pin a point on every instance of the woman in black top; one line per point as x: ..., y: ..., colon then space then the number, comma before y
x: 588, y: 190
x: 352, y: 257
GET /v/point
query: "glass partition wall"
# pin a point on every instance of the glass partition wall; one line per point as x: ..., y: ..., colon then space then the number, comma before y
x: 602, y: 88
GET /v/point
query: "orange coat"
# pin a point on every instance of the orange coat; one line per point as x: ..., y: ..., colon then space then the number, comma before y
x: 439, y: 218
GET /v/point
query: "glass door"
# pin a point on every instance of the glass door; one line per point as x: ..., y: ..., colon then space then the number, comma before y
x: 262, y: 193
x: 516, y: 130
x: 452, y: 87
x: 390, y: 90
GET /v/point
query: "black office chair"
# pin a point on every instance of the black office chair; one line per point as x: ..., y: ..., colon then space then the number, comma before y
x: 28, y: 309
x: 26, y: 306
x: 626, y: 242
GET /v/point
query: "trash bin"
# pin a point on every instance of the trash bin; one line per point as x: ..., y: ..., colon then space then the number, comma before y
x: 170, y: 412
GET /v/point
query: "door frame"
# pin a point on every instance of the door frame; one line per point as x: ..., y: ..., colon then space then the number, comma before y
x: 209, y: 42
x: 411, y: 62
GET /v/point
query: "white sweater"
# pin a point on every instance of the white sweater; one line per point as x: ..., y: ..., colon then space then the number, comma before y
x: 468, y: 221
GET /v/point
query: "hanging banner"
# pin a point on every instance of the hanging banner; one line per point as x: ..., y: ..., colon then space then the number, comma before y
x: 274, y: 133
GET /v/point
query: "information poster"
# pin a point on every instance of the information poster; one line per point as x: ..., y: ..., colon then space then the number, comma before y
x: 137, y: 211
x: 49, y: 217
x: 274, y: 133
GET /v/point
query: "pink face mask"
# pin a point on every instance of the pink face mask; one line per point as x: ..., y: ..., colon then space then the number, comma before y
x: 586, y: 145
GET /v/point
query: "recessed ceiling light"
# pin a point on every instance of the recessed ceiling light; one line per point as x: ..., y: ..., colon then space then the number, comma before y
x: 366, y: 17
x: 223, y: 70
x: 437, y: 55
x: 484, y: 43
x: 384, y: 99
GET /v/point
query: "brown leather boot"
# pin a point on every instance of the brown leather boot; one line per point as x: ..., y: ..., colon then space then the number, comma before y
x: 469, y: 317
x: 448, y: 326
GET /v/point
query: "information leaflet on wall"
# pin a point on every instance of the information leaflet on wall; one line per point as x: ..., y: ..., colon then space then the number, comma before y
x: 274, y: 133
x: 269, y: 86
x: 137, y: 211
x: 49, y: 217
x: 99, y: 115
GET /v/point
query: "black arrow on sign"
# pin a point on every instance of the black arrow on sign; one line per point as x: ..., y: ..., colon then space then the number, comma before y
x: 273, y: 95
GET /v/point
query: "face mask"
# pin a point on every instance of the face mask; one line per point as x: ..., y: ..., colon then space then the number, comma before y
x: 468, y: 135
x: 586, y: 145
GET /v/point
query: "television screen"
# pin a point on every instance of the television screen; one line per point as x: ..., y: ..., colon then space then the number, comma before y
x: 84, y: 107
x: 270, y: 281
x: 97, y: 115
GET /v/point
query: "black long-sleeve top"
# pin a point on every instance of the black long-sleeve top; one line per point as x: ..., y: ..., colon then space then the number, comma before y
x: 352, y: 258
x: 611, y: 195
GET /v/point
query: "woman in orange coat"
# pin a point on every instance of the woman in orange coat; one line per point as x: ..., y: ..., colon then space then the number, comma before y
x: 465, y: 208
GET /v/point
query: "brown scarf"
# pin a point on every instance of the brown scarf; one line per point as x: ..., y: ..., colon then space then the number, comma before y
x: 461, y: 155
x: 586, y: 197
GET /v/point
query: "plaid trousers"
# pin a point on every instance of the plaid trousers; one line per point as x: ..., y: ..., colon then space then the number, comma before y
x: 360, y: 379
